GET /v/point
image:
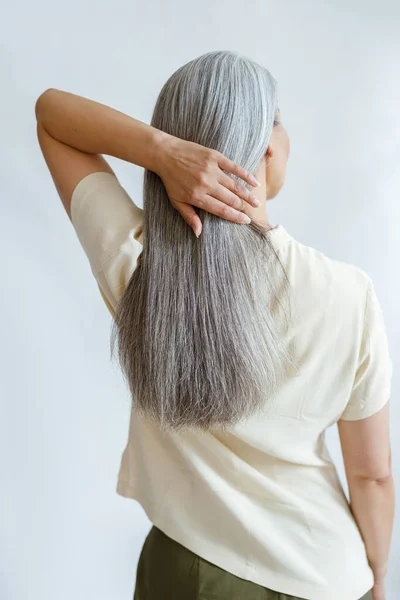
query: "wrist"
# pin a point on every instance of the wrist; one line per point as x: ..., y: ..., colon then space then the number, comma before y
x: 162, y: 145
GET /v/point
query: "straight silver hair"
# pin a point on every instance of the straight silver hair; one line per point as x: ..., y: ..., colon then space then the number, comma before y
x: 199, y: 327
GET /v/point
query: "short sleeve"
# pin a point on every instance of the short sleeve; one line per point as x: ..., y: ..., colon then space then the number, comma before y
x: 109, y: 227
x: 372, y: 383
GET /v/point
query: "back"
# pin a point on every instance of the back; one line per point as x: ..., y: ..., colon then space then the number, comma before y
x: 264, y: 501
x: 336, y: 322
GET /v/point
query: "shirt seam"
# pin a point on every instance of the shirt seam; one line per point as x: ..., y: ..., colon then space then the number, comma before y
x: 109, y: 258
x: 365, y: 325
x: 366, y: 303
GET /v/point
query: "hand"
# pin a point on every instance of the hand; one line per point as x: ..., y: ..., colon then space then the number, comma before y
x: 193, y: 175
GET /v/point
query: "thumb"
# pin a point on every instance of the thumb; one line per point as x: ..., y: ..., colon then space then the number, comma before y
x: 190, y: 216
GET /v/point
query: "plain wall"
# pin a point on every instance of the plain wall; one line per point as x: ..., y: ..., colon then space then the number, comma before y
x: 64, y: 532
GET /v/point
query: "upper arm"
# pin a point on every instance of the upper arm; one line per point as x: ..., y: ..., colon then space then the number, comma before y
x: 366, y: 446
x: 109, y: 227
x: 108, y: 224
x: 364, y: 424
x: 67, y: 165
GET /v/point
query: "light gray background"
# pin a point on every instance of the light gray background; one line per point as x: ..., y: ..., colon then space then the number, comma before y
x: 64, y: 532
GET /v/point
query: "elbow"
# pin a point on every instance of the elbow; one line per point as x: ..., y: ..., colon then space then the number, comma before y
x: 42, y: 101
x: 362, y: 479
x: 379, y: 475
x: 385, y: 474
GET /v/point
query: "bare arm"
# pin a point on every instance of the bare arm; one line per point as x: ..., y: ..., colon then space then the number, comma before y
x: 74, y: 132
x: 367, y: 458
x: 95, y: 128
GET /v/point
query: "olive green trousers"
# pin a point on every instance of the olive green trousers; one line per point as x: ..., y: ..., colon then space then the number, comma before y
x: 169, y: 571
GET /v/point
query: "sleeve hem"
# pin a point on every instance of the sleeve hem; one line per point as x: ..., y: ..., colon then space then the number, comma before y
x: 84, y: 186
x: 372, y: 410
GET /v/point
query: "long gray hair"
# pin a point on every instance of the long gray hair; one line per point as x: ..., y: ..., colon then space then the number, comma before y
x: 199, y: 326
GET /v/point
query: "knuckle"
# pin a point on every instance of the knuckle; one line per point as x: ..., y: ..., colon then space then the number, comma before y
x: 204, y: 166
x: 209, y: 159
x: 237, y: 188
x: 210, y: 155
x: 231, y: 200
x: 203, y: 178
x: 237, y: 202
x: 224, y: 212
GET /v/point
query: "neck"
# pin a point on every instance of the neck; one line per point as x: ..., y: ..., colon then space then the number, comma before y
x: 258, y: 214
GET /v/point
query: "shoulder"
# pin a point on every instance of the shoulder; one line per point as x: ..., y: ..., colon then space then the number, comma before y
x: 347, y: 279
x: 109, y: 226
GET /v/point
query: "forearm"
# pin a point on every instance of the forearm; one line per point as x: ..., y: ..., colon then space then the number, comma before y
x: 95, y: 128
x: 372, y: 504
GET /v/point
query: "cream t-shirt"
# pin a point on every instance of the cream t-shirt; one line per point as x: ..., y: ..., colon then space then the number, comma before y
x: 263, y: 502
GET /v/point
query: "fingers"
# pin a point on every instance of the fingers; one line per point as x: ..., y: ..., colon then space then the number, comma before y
x: 214, y: 206
x: 190, y: 216
x: 220, y: 209
x: 232, y: 167
x: 211, y: 205
x: 238, y: 192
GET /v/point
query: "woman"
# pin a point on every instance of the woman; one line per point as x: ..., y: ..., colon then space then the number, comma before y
x: 240, y: 346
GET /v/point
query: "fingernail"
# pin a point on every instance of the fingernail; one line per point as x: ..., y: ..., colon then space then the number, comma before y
x: 256, y: 201
x: 246, y: 219
x: 256, y: 182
